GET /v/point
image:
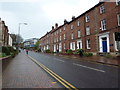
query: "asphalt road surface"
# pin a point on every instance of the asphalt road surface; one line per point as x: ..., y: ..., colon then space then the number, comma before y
x: 81, y: 74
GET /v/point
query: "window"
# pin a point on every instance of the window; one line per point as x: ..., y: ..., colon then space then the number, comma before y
x: 47, y: 41
x: 117, y: 2
x: 57, y: 39
x: 72, y: 45
x: 118, y: 19
x: 102, y: 9
x: 87, y: 30
x: 60, y: 30
x: 87, y: 18
x: 54, y: 40
x: 60, y: 38
x: 88, y: 44
x: 64, y: 36
x: 103, y: 24
x: 72, y: 26
x: 64, y: 46
x: 72, y: 36
x: 55, y: 33
x: 64, y: 28
x: 79, y: 33
x: 78, y: 23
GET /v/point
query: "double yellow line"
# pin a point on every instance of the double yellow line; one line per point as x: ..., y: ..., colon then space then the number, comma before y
x: 54, y: 75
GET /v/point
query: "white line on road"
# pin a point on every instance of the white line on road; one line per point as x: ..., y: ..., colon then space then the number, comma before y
x: 88, y: 67
x: 59, y: 60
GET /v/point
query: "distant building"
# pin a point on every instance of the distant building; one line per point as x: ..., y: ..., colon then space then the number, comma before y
x: 30, y: 43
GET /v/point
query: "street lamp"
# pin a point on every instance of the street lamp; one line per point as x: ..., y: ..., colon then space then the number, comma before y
x: 18, y: 37
x: 19, y: 31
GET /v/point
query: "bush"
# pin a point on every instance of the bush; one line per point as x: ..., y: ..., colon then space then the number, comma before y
x: 87, y: 54
x: 53, y: 52
x: 78, y: 50
x: 13, y: 54
x: 75, y: 52
x: 9, y: 51
x: 3, y: 55
x: 69, y: 51
x: 5, y: 50
x: 47, y: 51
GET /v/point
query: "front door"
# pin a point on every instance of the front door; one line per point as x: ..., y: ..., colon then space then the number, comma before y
x: 104, y: 44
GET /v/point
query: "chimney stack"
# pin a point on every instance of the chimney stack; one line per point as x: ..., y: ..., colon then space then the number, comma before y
x: 73, y: 17
x: 52, y: 27
x: 56, y: 25
x: 65, y: 21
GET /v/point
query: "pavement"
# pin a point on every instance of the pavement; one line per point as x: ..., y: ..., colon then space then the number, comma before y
x: 98, y: 59
x: 22, y: 72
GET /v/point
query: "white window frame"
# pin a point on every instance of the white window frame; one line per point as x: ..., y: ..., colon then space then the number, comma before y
x: 64, y: 36
x: 88, y: 44
x: 57, y: 39
x: 87, y: 30
x: 60, y: 38
x: 60, y: 30
x: 87, y: 18
x: 72, y: 36
x: 72, y: 45
x: 117, y: 2
x: 118, y: 16
x: 102, y: 9
x: 103, y: 24
x: 64, y: 46
x: 79, y: 33
x: 54, y: 39
x: 55, y: 33
x: 72, y: 26
x: 78, y: 23
x: 64, y: 28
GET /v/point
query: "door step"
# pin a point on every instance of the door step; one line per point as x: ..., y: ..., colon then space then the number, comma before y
x: 103, y: 54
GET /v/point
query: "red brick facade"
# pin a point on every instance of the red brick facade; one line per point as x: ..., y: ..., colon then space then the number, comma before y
x: 4, y: 36
x: 96, y: 28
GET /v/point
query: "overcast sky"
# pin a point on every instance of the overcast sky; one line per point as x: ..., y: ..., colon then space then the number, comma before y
x: 40, y: 15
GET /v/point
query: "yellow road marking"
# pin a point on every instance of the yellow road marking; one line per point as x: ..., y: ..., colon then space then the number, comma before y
x: 57, y: 77
x: 54, y: 82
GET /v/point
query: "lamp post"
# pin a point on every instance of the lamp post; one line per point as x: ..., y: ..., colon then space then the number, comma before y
x: 18, y: 37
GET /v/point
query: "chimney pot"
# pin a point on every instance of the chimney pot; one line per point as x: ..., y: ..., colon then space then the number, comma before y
x: 65, y: 21
x: 73, y: 17
x: 52, y: 27
x: 56, y: 25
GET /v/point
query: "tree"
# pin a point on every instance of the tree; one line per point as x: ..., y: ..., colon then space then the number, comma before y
x: 37, y: 45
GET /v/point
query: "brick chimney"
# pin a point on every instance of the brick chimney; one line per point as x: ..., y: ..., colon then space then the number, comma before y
x: 73, y: 17
x: 65, y: 21
x: 52, y: 27
x: 56, y: 25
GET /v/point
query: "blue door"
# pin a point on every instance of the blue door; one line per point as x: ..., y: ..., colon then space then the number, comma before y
x: 104, y: 44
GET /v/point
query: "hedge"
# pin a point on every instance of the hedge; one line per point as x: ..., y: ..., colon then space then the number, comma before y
x: 8, y: 51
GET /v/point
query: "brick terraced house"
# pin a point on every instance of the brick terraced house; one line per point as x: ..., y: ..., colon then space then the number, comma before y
x: 96, y: 30
x: 4, y: 36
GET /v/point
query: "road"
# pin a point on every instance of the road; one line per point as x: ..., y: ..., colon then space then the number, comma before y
x: 81, y: 74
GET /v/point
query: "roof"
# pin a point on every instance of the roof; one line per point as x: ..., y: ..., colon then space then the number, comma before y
x: 73, y: 20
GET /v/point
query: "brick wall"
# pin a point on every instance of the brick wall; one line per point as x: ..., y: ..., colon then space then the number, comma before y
x: 95, y: 18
